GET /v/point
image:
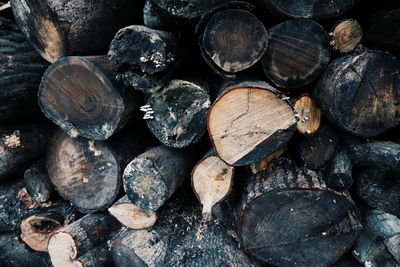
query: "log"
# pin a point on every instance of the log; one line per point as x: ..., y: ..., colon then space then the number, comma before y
x: 317, y: 10
x: 180, y: 113
x: 21, y: 69
x: 340, y: 174
x: 266, y: 163
x: 130, y: 215
x: 309, y: 115
x: 152, y: 177
x: 81, y: 96
x: 346, y: 35
x: 233, y: 40
x: 146, y: 57
x: 74, y: 240
x: 99, y: 256
x: 346, y: 261
x: 250, y: 121
x: 58, y: 29
x: 20, y: 145
x: 212, y: 181
x: 16, y: 253
x: 37, y: 181
x: 155, y: 18
x: 380, y: 189
x: 289, y: 217
x: 375, y: 74
x: 297, y: 54
x: 316, y: 151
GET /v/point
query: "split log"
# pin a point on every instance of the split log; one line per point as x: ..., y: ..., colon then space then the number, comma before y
x: 340, y: 175
x: 74, y: 240
x: 250, y: 121
x: 152, y: 177
x: 346, y: 35
x: 60, y: 28
x: 81, y: 96
x: 146, y: 57
x: 233, y: 40
x: 37, y: 182
x: 380, y: 30
x: 212, y: 181
x: 179, y: 113
x: 130, y: 215
x: 309, y: 115
x: 366, y: 114
x: 15, y: 253
x: 20, y: 145
x: 289, y: 217
x: 21, y: 69
x: 297, y: 54
x: 380, y: 189
x: 180, y: 238
x: 379, y: 245
x: 317, y: 9
x: 315, y: 151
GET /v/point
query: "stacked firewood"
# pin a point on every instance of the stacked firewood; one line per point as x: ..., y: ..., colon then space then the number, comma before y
x: 199, y: 133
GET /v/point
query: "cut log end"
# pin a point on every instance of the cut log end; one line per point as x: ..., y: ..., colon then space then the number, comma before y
x: 63, y: 250
x: 248, y: 124
x: 346, y: 35
x: 212, y: 181
x: 132, y: 217
x: 309, y: 115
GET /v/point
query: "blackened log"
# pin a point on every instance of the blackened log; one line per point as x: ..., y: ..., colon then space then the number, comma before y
x: 13, y: 253
x: 380, y: 189
x: 130, y: 215
x: 289, y: 217
x: 145, y: 56
x: 212, y: 181
x: 74, y: 240
x: 99, y: 256
x: 309, y: 115
x: 20, y: 145
x: 58, y: 29
x: 81, y: 96
x: 37, y: 181
x: 297, y: 54
x: 315, y: 151
x: 317, y: 9
x: 266, y: 163
x: 155, y: 18
x: 250, y: 121
x: 233, y: 40
x: 340, y: 174
x: 359, y: 92
x: 152, y: 177
x: 178, y: 113
x: 346, y: 35
x: 347, y: 261
x: 21, y: 69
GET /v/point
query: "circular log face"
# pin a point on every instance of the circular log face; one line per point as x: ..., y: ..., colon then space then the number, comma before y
x: 188, y: 8
x: 346, y: 35
x: 248, y: 124
x: 234, y: 40
x: 83, y: 171
x: 313, y: 9
x: 79, y: 98
x: 298, y: 52
x: 360, y: 93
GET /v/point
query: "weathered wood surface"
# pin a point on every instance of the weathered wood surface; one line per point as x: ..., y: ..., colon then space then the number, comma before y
x: 340, y: 177
x: 309, y: 115
x: 346, y: 35
x: 37, y: 181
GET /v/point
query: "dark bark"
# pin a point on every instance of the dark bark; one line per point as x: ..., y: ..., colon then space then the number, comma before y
x: 246, y: 112
x: 152, y: 177
x: 155, y: 18
x: 297, y: 54
x: 346, y: 35
x: 99, y: 256
x: 37, y: 181
x: 20, y: 145
x: 21, y: 69
x: 81, y: 96
x: 144, y: 56
x: 61, y: 28
x: 359, y: 92
x: 340, y: 174
x: 289, y: 217
x: 180, y: 113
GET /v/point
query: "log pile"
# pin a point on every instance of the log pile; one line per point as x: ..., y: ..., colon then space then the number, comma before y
x: 199, y: 133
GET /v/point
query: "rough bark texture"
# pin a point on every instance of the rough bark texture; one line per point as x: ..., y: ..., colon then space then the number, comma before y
x: 37, y: 181
x: 81, y: 96
x: 359, y: 92
x: 340, y: 173
x: 289, y: 217
x: 298, y: 52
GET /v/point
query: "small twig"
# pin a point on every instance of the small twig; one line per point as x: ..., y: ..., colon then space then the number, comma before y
x: 5, y: 6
